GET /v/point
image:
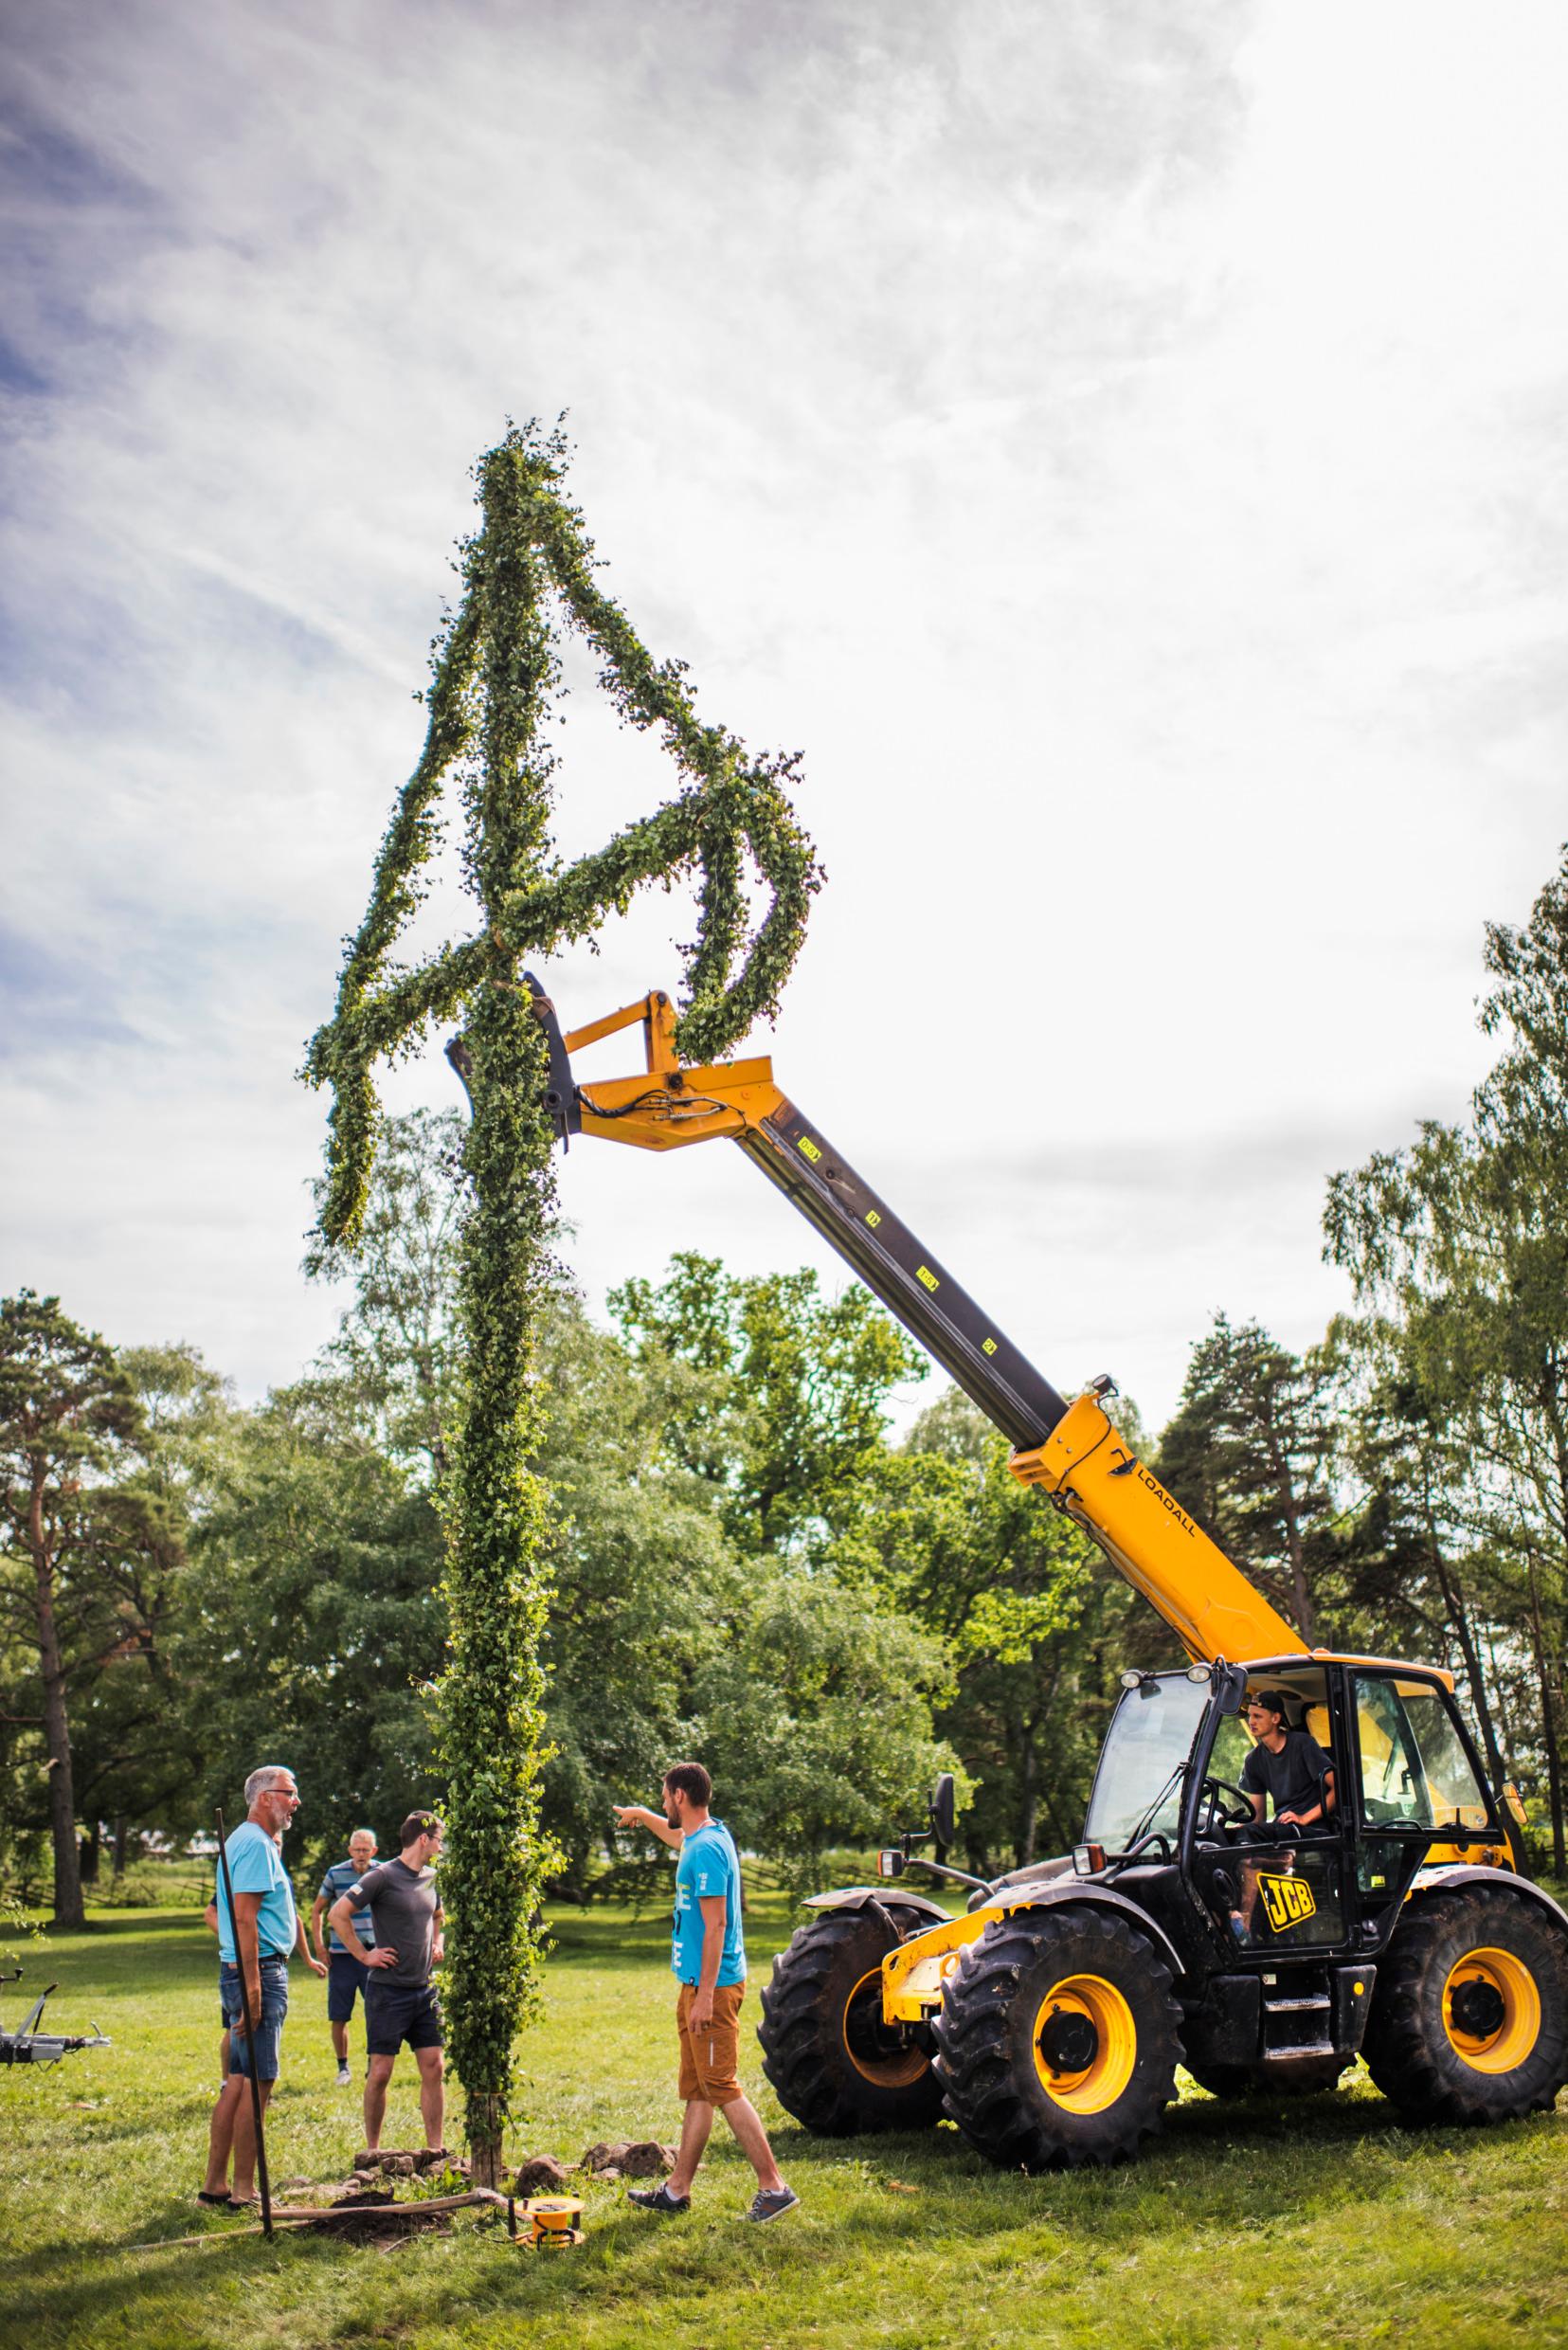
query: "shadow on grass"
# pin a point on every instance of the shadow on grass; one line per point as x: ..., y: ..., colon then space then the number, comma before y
x: 1216, y: 2165
x: 613, y: 1941
x: 112, y: 1924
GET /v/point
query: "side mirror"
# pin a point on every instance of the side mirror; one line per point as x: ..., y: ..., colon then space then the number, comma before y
x: 944, y: 1813
x: 890, y: 1861
x: 1230, y: 1686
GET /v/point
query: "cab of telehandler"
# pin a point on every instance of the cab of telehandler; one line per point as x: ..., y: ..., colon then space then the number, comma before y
x: 1170, y: 1823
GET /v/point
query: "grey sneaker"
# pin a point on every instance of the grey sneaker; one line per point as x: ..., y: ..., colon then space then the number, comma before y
x: 773, y: 2204
x: 344, y: 2079
x: 657, y: 2199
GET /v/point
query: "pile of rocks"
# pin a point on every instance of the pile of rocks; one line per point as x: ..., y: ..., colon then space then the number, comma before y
x: 408, y: 2163
x: 607, y: 2158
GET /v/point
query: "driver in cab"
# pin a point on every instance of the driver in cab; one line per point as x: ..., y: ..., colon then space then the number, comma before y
x: 1288, y: 1765
x: 1289, y: 1768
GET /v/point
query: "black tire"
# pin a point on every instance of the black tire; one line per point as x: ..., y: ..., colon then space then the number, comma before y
x: 1000, y: 2012
x: 1301, y: 2076
x: 832, y: 2063
x: 1469, y: 2018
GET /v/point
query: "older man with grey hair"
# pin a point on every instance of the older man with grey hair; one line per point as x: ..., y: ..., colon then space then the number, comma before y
x: 257, y: 1942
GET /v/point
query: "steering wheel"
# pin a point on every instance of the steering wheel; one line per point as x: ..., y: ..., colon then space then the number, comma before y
x: 1222, y: 1815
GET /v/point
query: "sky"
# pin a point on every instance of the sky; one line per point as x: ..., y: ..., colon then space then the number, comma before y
x: 1119, y: 448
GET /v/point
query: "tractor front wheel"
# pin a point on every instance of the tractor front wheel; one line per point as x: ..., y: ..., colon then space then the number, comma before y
x: 833, y: 2064
x: 1058, y: 2040
x: 1470, y: 2020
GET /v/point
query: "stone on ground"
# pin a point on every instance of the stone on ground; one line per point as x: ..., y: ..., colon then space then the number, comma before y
x: 540, y: 2174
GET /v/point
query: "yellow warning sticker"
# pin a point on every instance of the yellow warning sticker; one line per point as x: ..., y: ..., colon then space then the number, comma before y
x: 1286, y: 1901
x: 928, y: 1280
x: 873, y: 1219
x: 987, y: 1346
x: 810, y: 1149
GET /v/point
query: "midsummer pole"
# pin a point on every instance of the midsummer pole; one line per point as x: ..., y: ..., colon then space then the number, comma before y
x: 527, y: 569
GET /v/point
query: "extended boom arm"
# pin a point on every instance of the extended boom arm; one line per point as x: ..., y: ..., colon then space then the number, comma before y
x: 1071, y: 1450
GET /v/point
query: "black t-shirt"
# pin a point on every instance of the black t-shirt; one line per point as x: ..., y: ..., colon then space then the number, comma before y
x: 1293, y: 1776
x: 404, y: 1906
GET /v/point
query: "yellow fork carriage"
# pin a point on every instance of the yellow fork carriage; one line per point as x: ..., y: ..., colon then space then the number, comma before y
x: 1048, y: 2018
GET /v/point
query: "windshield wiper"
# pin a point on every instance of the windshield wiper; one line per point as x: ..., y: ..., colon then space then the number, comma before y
x: 1154, y: 1808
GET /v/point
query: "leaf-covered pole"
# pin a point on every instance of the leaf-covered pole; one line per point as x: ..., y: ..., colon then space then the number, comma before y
x: 527, y: 569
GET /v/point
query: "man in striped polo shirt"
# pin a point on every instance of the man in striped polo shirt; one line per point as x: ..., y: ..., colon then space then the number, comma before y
x: 344, y: 1975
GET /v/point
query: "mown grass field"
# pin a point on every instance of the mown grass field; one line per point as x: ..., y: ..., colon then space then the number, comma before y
x: 1312, y: 2224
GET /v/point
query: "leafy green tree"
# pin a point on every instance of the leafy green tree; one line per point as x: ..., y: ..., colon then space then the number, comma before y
x: 1250, y: 1452
x: 641, y: 1579
x: 313, y: 1631
x: 645, y: 1589
x: 136, y: 1736
x: 1415, y: 1580
x: 783, y: 1406
x: 815, y: 1718
x: 1462, y: 1241
x: 1036, y: 1624
x: 398, y: 1343
x: 67, y: 1411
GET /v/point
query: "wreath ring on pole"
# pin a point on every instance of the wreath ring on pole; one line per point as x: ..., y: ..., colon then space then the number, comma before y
x: 495, y: 665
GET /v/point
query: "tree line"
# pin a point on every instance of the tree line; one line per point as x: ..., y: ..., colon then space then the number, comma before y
x: 744, y: 1560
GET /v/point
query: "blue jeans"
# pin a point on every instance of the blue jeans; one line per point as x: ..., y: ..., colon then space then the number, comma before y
x: 267, y: 2029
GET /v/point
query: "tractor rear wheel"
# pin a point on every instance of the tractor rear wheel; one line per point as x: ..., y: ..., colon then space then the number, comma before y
x: 833, y: 2064
x: 1470, y: 2019
x: 1058, y: 2040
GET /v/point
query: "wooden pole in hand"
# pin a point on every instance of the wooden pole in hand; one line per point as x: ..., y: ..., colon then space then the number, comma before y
x: 251, y: 2022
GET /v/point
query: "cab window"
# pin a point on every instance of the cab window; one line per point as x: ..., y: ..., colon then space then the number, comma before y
x: 1414, y: 1771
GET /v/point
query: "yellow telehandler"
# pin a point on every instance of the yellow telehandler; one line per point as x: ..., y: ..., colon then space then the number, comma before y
x: 1048, y: 2020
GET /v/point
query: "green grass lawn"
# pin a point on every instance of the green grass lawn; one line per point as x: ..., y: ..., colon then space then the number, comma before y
x: 1309, y: 2225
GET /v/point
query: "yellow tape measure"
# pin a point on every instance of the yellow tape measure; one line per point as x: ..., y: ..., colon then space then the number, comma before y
x: 552, y: 2221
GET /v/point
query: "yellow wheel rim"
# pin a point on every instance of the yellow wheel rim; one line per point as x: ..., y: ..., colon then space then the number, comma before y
x: 1100, y: 2079
x: 877, y: 2056
x: 1485, y: 2041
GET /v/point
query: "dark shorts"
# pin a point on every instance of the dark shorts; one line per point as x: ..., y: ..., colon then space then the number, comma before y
x: 398, y: 2012
x: 269, y: 2029
x: 346, y: 1979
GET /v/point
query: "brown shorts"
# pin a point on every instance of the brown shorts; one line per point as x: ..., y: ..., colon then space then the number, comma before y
x: 708, y: 2061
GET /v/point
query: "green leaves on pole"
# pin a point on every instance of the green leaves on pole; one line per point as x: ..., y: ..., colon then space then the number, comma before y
x: 527, y: 569
x: 495, y: 669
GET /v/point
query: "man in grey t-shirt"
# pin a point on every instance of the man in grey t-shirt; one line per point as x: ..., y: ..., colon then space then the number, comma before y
x: 400, y: 2002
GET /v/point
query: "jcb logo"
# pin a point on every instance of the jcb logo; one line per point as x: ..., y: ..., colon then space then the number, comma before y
x: 1286, y: 1901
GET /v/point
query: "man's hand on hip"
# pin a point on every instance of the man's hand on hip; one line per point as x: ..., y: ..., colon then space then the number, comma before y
x: 381, y: 1957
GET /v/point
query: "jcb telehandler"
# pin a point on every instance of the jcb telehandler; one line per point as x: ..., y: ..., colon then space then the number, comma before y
x: 1048, y: 2021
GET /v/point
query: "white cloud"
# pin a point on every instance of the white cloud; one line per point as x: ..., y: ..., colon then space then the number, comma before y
x: 1120, y: 447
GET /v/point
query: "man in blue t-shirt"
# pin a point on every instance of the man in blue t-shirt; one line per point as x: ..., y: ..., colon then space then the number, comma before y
x: 255, y: 1945
x: 708, y: 1959
x: 345, y: 1975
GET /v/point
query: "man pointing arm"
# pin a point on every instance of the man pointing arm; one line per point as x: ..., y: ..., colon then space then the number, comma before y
x: 708, y: 1959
